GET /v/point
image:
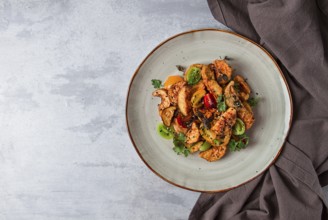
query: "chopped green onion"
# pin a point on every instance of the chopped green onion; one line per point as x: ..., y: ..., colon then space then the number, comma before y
x: 221, y: 104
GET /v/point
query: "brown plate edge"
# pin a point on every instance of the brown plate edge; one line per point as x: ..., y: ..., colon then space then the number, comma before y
x: 188, y: 32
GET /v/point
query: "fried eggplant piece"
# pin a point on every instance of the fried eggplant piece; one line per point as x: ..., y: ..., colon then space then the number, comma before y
x: 222, y: 71
x: 243, y: 87
x: 184, y: 103
x: 167, y: 115
x: 231, y: 96
x: 214, y: 88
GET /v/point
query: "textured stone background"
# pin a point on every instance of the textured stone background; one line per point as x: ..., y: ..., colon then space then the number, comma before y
x: 64, y: 70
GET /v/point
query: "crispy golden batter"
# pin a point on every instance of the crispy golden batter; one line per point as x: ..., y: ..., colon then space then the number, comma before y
x: 206, y: 112
x: 246, y: 115
x: 213, y: 154
x: 195, y: 147
x: 165, y: 102
x: 226, y: 136
x: 207, y: 73
x: 230, y: 116
x: 244, y: 88
x: 218, y: 126
x: 222, y: 71
x: 193, y: 134
x: 173, y: 92
x: 227, y: 119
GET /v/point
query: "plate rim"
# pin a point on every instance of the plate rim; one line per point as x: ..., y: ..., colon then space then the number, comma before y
x: 186, y: 33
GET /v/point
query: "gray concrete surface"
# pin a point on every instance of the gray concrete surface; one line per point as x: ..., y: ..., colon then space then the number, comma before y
x: 65, y: 67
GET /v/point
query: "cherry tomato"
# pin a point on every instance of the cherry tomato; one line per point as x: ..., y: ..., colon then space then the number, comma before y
x: 209, y: 101
x: 181, y: 122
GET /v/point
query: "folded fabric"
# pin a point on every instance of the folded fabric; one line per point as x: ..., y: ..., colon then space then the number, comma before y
x: 295, y: 32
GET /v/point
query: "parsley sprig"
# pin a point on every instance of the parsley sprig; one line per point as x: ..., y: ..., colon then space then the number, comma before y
x: 237, y: 145
x: 156, y: 83
x: 179, y: 146
x: 253, y: 101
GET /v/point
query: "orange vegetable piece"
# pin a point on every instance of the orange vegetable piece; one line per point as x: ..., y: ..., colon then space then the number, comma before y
x: 172, y: 80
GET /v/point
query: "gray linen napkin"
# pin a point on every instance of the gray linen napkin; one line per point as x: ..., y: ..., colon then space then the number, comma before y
x: 296, y: 33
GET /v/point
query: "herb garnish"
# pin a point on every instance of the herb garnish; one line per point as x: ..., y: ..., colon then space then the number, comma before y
x: 179, y: 146
x: 237, y: 145
x: 221, y: 103
x: 253, y: 101
x: 156, y: 83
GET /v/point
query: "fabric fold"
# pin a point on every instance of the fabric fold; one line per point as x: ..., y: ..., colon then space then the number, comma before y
x: 295, y: 32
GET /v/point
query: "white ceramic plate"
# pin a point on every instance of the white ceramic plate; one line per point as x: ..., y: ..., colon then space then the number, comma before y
x: 273, y: 114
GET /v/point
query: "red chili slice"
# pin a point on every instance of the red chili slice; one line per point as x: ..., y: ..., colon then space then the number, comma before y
x: 180, y: 121
x: 209, y: 101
